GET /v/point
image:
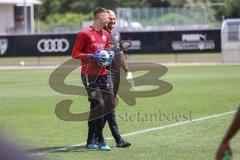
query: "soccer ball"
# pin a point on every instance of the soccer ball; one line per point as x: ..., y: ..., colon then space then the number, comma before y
x: 105, y: 57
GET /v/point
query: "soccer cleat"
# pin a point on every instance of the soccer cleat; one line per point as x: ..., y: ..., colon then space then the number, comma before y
x: 123, y: 144
x: 104, y: 147
x: 91, y: 146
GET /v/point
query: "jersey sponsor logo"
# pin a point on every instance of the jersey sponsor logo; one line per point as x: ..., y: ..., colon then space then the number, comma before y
x: 98, y: 46
x: 53, y: 45
x: 3, y: 46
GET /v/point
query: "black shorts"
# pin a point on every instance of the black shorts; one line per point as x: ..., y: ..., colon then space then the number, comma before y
x: 100, y: 94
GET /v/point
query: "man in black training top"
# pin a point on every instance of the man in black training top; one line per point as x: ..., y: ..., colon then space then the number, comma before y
x: 119, y: 62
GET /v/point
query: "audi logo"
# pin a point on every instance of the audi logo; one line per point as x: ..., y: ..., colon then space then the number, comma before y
x: 53, y: 45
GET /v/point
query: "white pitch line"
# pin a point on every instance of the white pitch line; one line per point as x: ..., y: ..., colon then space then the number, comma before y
x: 177, y: 124
x: 167, y: 64
x: 142, y: 131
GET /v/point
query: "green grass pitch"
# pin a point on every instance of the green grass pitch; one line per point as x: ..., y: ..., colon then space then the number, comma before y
x: 27, y: 115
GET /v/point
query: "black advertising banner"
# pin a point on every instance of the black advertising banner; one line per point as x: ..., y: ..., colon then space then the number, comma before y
x: 36, y: 45
x: 195, y: 41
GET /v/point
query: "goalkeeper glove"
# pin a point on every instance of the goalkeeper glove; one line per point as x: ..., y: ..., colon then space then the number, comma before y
x: 92, y: 57
x: 130, y: 80
x: 95, y: 57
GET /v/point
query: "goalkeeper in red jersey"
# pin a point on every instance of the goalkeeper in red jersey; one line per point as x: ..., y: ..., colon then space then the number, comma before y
x: 95, y: 78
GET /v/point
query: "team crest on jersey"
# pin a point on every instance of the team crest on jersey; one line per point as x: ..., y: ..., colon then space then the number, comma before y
x: 104, y: 38
x: 93, y: 38
x: 116, y: 37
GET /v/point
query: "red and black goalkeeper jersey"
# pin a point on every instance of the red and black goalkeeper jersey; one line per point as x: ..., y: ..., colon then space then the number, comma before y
x: 88, y: 41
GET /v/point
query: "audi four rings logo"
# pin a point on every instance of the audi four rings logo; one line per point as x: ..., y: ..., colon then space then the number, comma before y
x: 53, y: 45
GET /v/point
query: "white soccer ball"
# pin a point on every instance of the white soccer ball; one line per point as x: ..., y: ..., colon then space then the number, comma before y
x: 105, y: 57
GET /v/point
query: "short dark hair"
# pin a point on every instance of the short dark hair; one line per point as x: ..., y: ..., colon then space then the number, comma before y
x: 99, y: 10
